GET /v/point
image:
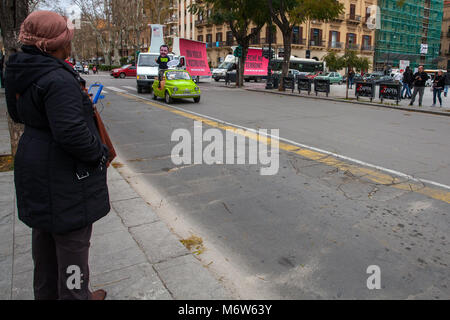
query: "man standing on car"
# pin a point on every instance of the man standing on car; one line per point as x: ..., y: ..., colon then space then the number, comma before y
x: 162, y: 61
x: 420, y: 78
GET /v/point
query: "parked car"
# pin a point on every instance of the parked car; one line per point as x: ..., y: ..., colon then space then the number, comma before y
x: 78, y: 67
x: 334, y: 77
x: 384, y: 79
x: 312, y: 75
x: 125, y: 71
x: 373, y: 76
x: 178, y: 84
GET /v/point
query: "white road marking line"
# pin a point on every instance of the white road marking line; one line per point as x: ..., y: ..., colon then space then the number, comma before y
x: 104, y: 91
x: 336, y: 155
x: 116, y: 89
x: 130, y: 88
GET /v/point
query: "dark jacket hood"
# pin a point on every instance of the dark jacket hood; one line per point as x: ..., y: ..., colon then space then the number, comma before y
x: 26, y: 67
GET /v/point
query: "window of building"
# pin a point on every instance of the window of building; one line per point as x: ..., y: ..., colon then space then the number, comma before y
x: 352, y: 11
x: 200, y: 38
x: 256, y: 39
x: 229, y: 38
x: 367, y: 13
x: 316, y: 37
x: 209, y: 38
x: 297, y: 35
x: 219, y: 37
x: 366, y: 42
x: 274, y: 34
x: 334, y: 40
x: 351, y: 38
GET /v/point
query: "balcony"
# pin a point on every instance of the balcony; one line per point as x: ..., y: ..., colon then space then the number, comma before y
x: 317, y: 43
x: 339, y: 18
x: 352, y: 46
x: 202, y: 23
x: 335, y: 45
x: 299, y: 42
x: 218, y: 44
x: 353, y: 18
x: 266, y: 41
x: 172, y: 21
x: 230, y: 43
x: 367, y: 48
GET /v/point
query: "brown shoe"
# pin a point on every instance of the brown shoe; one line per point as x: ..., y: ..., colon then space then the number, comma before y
x: 98, y: 295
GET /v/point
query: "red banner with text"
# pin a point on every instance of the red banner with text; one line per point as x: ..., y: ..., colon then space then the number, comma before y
x: 196, y: 57
x: 256, y: 64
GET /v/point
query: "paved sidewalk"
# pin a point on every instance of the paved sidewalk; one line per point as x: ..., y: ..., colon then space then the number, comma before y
x: 338, y: 94
x: 133, y: 254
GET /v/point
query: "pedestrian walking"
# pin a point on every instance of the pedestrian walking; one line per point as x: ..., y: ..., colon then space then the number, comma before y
x: 420, y: 78
x: 438, y: 87
x: 408, y: 79
x: 59, y: 168
x: 351, y: 76
x: 447, y: 83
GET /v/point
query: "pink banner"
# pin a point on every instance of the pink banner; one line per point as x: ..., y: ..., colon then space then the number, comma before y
x: 256, y: 64
x: 196, y: 57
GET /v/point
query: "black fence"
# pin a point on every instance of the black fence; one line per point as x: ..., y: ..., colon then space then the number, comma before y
x: 390, y: 91
x: 322, y: 85
x: 365, y: 89
x: 304, y: 84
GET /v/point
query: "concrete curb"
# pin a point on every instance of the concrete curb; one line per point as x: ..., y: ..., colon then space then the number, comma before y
x: 447, y: 114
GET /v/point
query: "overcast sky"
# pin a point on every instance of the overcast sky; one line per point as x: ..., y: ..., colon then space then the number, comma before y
x: 67, y: 5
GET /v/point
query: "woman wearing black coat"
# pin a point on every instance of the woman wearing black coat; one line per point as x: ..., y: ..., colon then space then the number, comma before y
x: 59, y: 170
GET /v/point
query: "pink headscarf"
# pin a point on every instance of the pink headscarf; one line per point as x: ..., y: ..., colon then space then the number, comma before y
x: 46, y: 30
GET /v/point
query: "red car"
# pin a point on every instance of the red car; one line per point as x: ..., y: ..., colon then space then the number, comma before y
x: 125, y: 71
x: 313, y: 75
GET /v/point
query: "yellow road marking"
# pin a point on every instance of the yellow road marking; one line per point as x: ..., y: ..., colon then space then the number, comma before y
x: 370, y: 174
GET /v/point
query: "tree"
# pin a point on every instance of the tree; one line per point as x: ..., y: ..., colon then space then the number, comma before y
x: 239, y: 15
x: 333, y: 61
x: 286, y: 14
x: 12, y: 14
x: 349, y: 60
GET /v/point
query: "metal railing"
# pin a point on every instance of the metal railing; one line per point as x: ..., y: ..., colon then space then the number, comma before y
x: 299, y: 41
x: 199, y: 23
x: 367, y: 48
x: 353, y: 18
x: 317, y: 43
x: 352, y: 46
x: 340, y: 17
x: 335, y: 45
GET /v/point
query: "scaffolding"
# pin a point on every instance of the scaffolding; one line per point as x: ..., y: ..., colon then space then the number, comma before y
x: 404, y: 28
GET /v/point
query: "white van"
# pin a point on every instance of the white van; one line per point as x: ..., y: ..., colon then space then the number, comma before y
x: 147, y: 70
x: 228, y: 64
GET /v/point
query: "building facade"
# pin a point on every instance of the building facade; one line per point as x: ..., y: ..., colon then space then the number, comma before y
x: 349, y: 30
x: 409, y: 31
x: 444, y: 62
x: 186, y: 20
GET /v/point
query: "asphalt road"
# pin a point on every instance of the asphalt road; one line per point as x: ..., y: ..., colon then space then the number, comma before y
x: 312, y: 230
